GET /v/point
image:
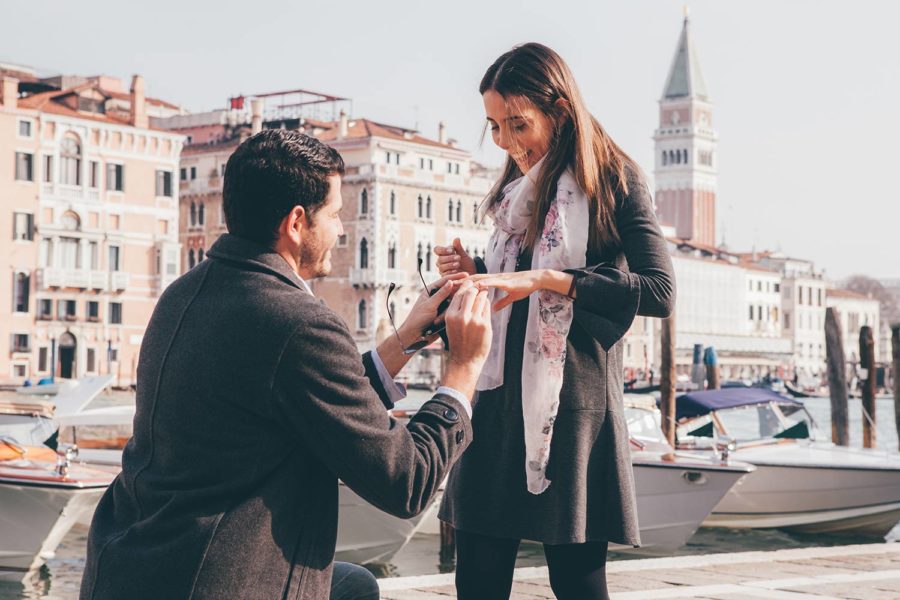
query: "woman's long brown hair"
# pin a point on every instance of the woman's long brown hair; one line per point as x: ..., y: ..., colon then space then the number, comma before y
x: 535, y: 73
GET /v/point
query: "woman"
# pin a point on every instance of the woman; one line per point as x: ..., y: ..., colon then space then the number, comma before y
x: 576, y: 253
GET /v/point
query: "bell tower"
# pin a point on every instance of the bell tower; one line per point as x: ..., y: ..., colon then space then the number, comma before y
x: 685, y: 164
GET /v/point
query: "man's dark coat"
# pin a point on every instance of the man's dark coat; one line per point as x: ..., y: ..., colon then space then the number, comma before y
x: 252, y: 401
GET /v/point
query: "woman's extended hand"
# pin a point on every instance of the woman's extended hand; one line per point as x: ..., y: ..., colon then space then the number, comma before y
x: 454, y: 259
x: 519, y: 284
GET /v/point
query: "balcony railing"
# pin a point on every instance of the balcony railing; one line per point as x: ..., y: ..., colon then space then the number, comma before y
x: 72, y: 278
x: 118, y: 280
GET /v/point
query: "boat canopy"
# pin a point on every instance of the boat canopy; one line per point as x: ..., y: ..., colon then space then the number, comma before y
x: 696, y: 404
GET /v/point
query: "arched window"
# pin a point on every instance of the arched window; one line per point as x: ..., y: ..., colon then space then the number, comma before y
x: 200, y: 255
x: 684, y: 156
x: 192, y: 260
x: 671, y: 157
x: 475, y: 212
x: 393, y: 203
x: 362, y: 317
x: 364, y: 254
x: 459, y: 211
x: 419, y: 256
x: 201, y: 215
x: 428, y: 207
x: 665, y: 158
x: 193, y: 214
x: 421, y: 214
x: 450, y: 211
x: 70, y: 161
x: 392, y: 255
x: 428, y: 258
x: 364, y: 202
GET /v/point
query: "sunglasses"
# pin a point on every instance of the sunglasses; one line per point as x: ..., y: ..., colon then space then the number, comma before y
x: 429, y: 331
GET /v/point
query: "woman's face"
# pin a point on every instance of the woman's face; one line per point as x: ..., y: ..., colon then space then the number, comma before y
x: 518, y: 127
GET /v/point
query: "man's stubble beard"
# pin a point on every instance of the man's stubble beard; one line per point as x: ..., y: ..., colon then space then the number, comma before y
x: 313, y: 256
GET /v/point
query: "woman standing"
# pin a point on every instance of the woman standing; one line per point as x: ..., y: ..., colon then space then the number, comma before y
x: 576, y: 253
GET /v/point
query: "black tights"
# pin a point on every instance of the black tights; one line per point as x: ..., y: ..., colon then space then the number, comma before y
x: 484, y: 568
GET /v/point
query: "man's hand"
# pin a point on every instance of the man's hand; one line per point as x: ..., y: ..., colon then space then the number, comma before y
x: 469, y: 331
x: 454, y: 259
x: 424, y: 311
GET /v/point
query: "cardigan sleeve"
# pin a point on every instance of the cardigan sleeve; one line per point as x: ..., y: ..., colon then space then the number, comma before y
x: 607, y: 298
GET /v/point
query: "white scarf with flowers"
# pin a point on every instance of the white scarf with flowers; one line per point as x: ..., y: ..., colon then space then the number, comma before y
x: 563, y: 245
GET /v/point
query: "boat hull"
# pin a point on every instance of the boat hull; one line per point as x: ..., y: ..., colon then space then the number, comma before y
x: 34, y: 520
x: 812, y: 498
x: 673, y: 499
x: 367, y: 534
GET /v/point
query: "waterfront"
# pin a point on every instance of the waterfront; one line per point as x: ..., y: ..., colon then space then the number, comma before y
x: 60, y: 578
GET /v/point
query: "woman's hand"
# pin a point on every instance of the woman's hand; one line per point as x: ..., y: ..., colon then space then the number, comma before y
x: 424, y: 312
x: 454, y: 259
x: 520, y: 284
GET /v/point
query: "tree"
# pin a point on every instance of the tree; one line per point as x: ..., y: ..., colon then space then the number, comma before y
x: 888, y: 304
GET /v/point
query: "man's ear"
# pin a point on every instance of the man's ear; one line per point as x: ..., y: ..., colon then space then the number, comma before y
x: 294, y: 225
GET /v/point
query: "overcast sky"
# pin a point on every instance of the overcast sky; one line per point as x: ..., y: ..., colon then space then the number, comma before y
x: 806, y: 92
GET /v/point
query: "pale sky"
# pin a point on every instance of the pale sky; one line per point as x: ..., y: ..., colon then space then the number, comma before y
x: 806, y: 92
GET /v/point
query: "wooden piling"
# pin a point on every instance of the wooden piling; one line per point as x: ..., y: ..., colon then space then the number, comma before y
x: 667, y: 378
x: 711, y: 361
x: 895, y: 346
x: 867, y: 364
x: 837, y: 378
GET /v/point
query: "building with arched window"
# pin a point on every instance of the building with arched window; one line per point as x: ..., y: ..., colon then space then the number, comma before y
x: 95, y: 238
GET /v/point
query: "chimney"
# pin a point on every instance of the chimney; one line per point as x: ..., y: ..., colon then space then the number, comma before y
x: 442, y: 133
x: 256, y: 109
x: 138, y: 112
x: 9, y: 92
x: 343, y: 127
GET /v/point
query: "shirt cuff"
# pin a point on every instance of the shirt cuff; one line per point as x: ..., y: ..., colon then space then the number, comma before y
x: 458, y: 396
x: 395, y: 391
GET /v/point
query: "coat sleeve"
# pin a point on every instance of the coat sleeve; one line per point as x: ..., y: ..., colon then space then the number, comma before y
x: 607, y: 298
x: 322, y: 391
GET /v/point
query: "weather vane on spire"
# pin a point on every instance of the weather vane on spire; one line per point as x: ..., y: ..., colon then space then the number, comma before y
x: 687, y: 11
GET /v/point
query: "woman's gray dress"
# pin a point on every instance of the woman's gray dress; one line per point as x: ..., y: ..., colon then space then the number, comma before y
x: 591, y: 494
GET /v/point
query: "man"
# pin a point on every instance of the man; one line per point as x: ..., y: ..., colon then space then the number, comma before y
x: 252, y: 401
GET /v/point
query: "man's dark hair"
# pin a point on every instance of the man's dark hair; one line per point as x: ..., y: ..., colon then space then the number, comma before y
x: 268, y: 175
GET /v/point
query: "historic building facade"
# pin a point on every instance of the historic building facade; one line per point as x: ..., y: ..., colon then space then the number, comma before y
x: 90, y: 207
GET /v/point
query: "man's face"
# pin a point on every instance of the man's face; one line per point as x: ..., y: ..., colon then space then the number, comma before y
x: 320, y: 237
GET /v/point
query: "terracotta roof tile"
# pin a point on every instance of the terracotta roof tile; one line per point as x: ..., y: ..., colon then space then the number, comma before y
x: 850, y: 294
x: 364, y: 128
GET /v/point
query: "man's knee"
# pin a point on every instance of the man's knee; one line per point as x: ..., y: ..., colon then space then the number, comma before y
x: 352, y: 582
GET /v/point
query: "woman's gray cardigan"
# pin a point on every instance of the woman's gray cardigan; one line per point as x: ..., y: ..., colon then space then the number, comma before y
x: 591, y: 496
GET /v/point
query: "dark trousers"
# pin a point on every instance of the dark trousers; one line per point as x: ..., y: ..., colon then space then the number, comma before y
x: 484, y: 568
x: 352, y: 582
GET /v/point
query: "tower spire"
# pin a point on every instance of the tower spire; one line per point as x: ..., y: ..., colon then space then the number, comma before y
x: 685, y: 77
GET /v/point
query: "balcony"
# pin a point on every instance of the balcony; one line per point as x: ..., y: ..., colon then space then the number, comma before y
x: 378, y: 277
x: 72, y: 278
x: 118, y: 281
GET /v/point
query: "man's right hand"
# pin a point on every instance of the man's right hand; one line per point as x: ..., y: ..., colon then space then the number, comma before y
x: 469, y: 331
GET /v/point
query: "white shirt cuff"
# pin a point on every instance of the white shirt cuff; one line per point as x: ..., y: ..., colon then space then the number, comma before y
x: 395, y: 391
x: 458, y: 396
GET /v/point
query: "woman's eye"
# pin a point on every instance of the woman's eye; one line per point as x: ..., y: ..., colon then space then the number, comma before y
x: 518, y: 128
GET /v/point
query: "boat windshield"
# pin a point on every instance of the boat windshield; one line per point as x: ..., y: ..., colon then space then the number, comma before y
x: 751, y: 423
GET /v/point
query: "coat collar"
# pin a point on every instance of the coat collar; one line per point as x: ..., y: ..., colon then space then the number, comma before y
x: 255, y: 256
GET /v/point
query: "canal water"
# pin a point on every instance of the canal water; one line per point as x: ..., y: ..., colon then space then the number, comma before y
x: 60, y: 578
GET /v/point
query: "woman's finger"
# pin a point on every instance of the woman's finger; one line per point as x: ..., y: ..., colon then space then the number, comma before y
x: 445, y: 279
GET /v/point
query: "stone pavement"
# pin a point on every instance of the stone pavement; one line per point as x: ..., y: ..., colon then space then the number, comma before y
x: 860, y: 572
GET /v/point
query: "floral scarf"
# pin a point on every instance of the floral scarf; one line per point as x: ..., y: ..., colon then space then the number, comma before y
x: 563, y: 245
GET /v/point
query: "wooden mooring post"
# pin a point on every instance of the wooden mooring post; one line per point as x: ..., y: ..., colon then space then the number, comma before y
x: 837, y: 378
x: 667, y: 379
x: 895, y: 349
x: 712, y: 368
x: 867, y: 376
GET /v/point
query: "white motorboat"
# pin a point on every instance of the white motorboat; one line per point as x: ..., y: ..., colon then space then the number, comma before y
x: 801, y: 483
x: 365, y: 533
x: 41, y: 496
x: 675, y: 490
x: 47, y: 389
